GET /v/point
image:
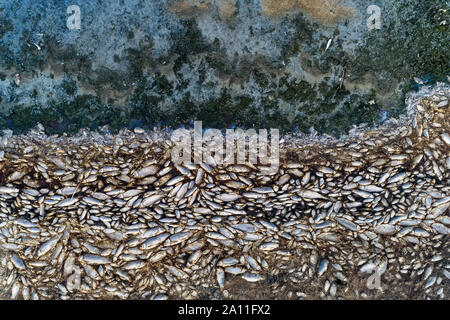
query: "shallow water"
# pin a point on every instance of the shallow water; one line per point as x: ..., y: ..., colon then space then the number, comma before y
x: 291, y: 65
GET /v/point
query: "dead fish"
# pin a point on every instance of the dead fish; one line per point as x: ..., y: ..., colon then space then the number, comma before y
x: 151, y: 200
x: 268, y: 246
x: 67, y: 202
x: 348, y: 224
x: 47, y: 246
x: 228, y: 197
x: 147, y: 171
x: 17, y: 262
x: 154, y: 241
x: 245, y: 227
x: 138, y: 264
x: 227, y: 262
x: 322, y: 267
x: 398, y: 177
x: 251, y: 277
x: 95, y: 259
x: 385, y: 229
x: 8, y: 190
x: 234, y: 270
x: 177, y: 238
x: 220, y: 276
x: 308, y: 194
x: 25, y: 223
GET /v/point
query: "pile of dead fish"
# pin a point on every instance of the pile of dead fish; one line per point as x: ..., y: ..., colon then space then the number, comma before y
x: 110, y: 216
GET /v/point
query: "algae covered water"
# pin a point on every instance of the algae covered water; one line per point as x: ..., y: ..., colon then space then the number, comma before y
x: 291, y: 64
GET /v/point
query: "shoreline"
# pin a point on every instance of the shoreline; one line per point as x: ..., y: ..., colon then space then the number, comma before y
x: 337, y: 210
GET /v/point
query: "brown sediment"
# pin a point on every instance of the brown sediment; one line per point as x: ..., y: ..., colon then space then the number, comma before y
x: 226, y: 9
x: 190, y: 8
x: 325, y: 11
